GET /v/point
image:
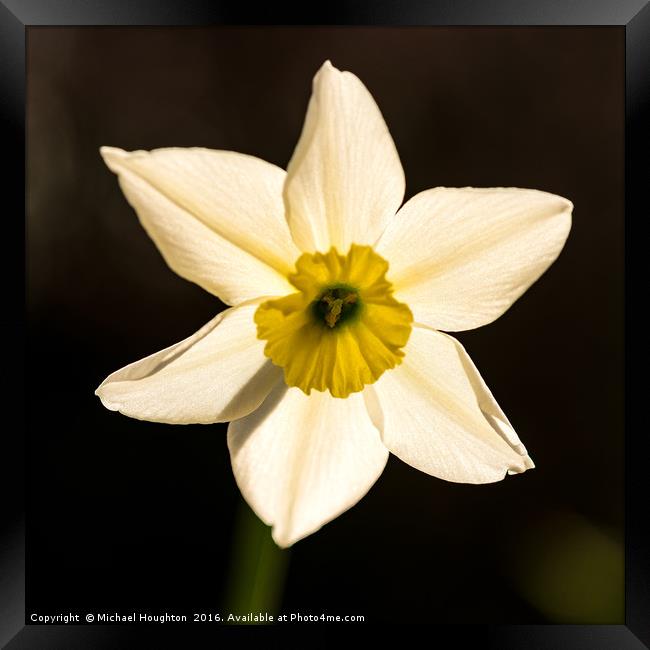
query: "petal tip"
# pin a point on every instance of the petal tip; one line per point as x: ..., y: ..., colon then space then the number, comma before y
x: 327, y: 71
x: 568, y: 205
x: 286, y: 537
x: 111, y: 406
x: 280, y: 540
x: 108, y: 151
x: 101, y: 392
x: 112, y: 155
x: 526, y: 464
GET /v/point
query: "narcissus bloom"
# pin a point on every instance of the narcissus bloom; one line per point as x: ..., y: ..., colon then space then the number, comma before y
x: 331, y: 353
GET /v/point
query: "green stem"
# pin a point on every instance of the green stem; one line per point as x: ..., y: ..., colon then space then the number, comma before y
x: 258, y: 568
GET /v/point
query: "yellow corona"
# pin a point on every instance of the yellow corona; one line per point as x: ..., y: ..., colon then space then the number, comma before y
x: 342, y: 328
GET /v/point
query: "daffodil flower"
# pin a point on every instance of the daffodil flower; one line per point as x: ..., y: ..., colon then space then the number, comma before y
x: 331, y: 354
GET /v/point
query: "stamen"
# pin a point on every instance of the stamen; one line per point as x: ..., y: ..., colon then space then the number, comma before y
x: 337, y: 303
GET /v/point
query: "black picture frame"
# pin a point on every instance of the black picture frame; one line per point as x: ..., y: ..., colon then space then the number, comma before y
x: 16, y: 16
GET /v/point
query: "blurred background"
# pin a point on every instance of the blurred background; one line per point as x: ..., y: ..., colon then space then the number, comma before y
x: 125, y: 514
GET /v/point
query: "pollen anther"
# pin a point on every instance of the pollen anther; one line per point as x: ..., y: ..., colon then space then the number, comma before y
x: 337, y: 304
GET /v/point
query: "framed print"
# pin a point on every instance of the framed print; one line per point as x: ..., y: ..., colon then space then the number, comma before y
x: 323, y: 322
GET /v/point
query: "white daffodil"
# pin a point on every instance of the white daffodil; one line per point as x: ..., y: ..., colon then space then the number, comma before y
x: 331, y: 354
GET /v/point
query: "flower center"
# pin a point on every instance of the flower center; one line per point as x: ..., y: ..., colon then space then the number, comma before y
x: 341, y: 329
x: 336, y: 305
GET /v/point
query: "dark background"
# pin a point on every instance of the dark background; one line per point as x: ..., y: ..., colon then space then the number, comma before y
x: 125, y: 514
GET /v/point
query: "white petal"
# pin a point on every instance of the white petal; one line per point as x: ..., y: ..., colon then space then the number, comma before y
x: 459, y: 257
x: 216, y: 375
x: 217, y: 217
x: 345, y: 179
x: 439, y: 416
x: 300, y: 460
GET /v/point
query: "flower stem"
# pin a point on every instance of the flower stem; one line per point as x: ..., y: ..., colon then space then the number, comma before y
x: 258, y: 568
